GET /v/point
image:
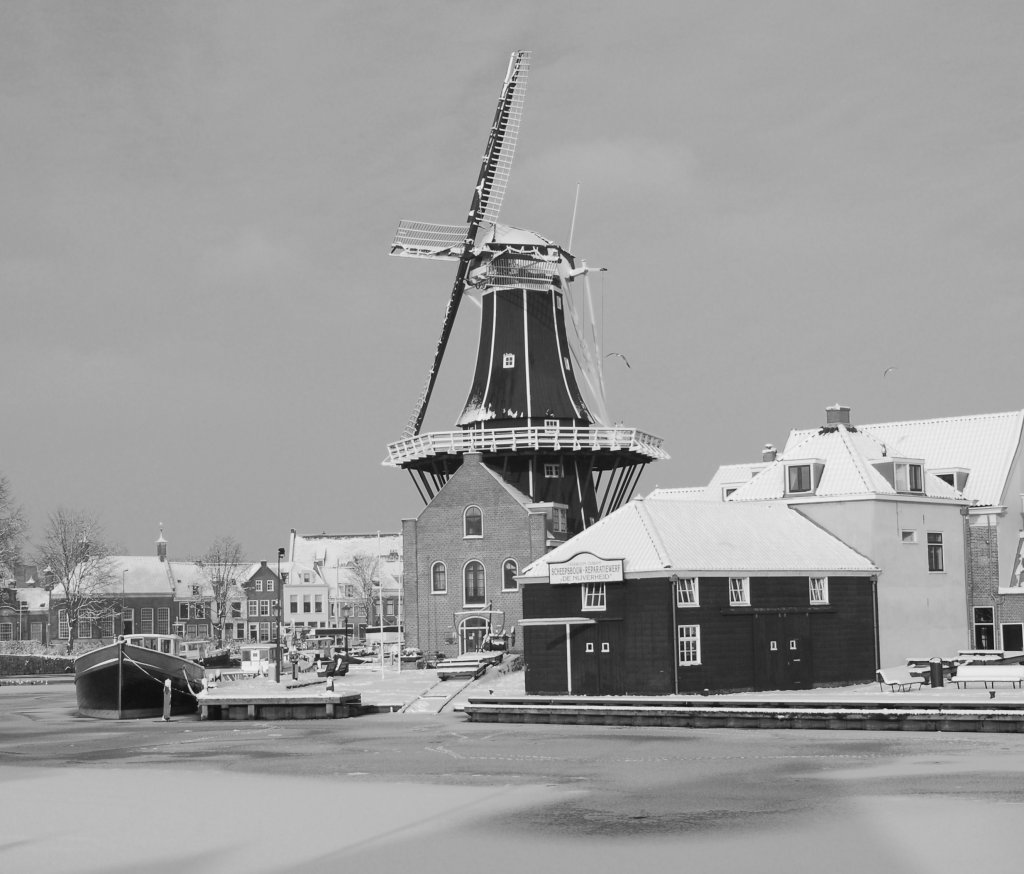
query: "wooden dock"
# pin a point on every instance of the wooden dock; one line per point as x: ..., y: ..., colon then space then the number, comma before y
x: 283, y: 705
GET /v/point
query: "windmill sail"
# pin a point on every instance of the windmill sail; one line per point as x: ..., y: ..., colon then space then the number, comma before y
x: 420, y: 239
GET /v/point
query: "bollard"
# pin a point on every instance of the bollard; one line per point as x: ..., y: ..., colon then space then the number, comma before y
x: 935, y: 672
x: 167, y: 700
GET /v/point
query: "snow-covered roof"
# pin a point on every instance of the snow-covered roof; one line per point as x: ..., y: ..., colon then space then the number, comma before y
x: 143, y: 574
x: 985, y: 444
x: 664, y: 534
x: 848, y: 456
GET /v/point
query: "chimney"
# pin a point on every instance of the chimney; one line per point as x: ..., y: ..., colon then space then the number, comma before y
x: 837, y: 415
x: 769, y: 452
x: 161, y: 546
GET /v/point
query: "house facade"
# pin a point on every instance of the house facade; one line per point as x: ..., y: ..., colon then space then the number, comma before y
x: 24, y: 613
x: 668, y: 595
x: 362, y: 574
x: 258, y: 610
x: 462, y: 557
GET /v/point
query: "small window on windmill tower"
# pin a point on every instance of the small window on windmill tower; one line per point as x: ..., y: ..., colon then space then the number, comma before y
x: 508, y: 360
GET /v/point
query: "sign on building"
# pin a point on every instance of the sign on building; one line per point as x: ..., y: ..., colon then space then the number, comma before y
x: 585, y: 567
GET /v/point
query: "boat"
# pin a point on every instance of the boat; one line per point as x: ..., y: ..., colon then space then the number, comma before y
x: 125, y: 679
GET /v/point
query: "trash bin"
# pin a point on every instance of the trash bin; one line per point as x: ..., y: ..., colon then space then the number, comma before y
x: 935, y: 672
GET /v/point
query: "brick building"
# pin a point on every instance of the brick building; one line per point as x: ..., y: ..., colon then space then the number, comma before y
x: 462, y: 555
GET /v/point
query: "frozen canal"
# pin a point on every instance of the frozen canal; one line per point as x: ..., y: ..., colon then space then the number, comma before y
x: 395, y: 793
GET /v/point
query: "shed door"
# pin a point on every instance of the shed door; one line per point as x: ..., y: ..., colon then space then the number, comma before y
x: 782, y: 651
x: 595, y: 658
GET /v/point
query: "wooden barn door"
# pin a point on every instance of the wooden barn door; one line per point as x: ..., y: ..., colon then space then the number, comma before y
x: 782, y: 651
x: 595, y: 655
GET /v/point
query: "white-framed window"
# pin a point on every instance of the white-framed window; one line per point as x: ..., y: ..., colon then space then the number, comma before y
x: 594, y: 596
x: 559, y: 520
x: 508, y: 360
x: 908, y: 536
x: 318, y: 603
x: 195, y: 591
x: 191, y: 630
x: 106, y: 626
x: 936, y: 561
x: 265, y: 608
x: 551, y: 424
x: 473, y: 522
x: 254, y: 608
x: 146, y: 624
x: 739, y: 591
x: 798, y: 479
x: 264, y: 632
x: 199, y: 611
x: 306, y: 577
x: 163, y: 620
x: 183, y: 609
x: 128, y: 620
x: 438, y: 578
x: 909, y: 477
x: 235, y: 610
x: 474, y: 584
x: 508, y: 575
x: 552, y: 470
x: 818, y: 590
x: 688, y: 592
x: 984, y: 628
x: 688, y: 637
x: 84, y: 628
x: 270, y: 585
x: 259, y: 585
x: 63, y: 626
x: 6, y: 631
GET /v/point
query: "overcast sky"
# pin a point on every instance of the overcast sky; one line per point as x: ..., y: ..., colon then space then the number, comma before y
x: 200, y: 325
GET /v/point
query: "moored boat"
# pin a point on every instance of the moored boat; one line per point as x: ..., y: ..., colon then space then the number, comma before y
x: 125, y: 680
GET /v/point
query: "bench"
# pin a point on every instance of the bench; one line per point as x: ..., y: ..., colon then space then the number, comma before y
x: 989, y: 675
x: 897, y: 679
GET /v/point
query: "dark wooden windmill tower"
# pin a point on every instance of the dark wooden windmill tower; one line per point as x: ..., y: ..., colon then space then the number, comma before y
x: 535, y: 407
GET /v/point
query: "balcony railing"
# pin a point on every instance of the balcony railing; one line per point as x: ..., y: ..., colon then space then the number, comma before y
x: 496, y: 440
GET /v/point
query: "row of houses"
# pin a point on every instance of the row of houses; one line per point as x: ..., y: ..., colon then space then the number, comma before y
x: 856, y: 546
x: 322, y: 582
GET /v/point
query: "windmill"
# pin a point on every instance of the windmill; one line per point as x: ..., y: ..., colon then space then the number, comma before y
x: 526, y: 412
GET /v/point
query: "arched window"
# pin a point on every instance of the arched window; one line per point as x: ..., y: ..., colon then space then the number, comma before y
x: 438, y: 578
x: 473, y: 522
x: 473, y: 577
x: 508, y: 575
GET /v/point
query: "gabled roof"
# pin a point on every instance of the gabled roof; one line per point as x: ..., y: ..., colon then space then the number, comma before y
x: 985, y: 444
x: 143, y: 575
x: 848, y: 456
x: 663, y: 534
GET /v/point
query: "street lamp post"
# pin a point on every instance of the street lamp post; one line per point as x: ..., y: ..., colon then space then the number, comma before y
x: 344, y: 612
x: 123, y: 572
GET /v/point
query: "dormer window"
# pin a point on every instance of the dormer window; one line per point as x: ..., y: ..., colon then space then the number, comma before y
x: 803, y: 476
x: 954, y: 476
x: 798, y: 478
x: 508, y: 360
x: 909, y: 477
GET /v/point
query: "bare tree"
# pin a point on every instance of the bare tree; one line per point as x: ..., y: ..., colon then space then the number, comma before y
x: 365, y: 575
x: 75, y: 559
x: 12, y: 531
x: 222, y: 566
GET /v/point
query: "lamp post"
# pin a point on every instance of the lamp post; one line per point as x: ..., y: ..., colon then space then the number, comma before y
x: 123, y: 572
x: 344, y: 613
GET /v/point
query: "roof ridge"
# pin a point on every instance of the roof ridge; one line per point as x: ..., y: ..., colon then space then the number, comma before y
x: 652, y: 533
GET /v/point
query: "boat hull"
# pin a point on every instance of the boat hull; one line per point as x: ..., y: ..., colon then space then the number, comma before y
x: 142, y: 675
